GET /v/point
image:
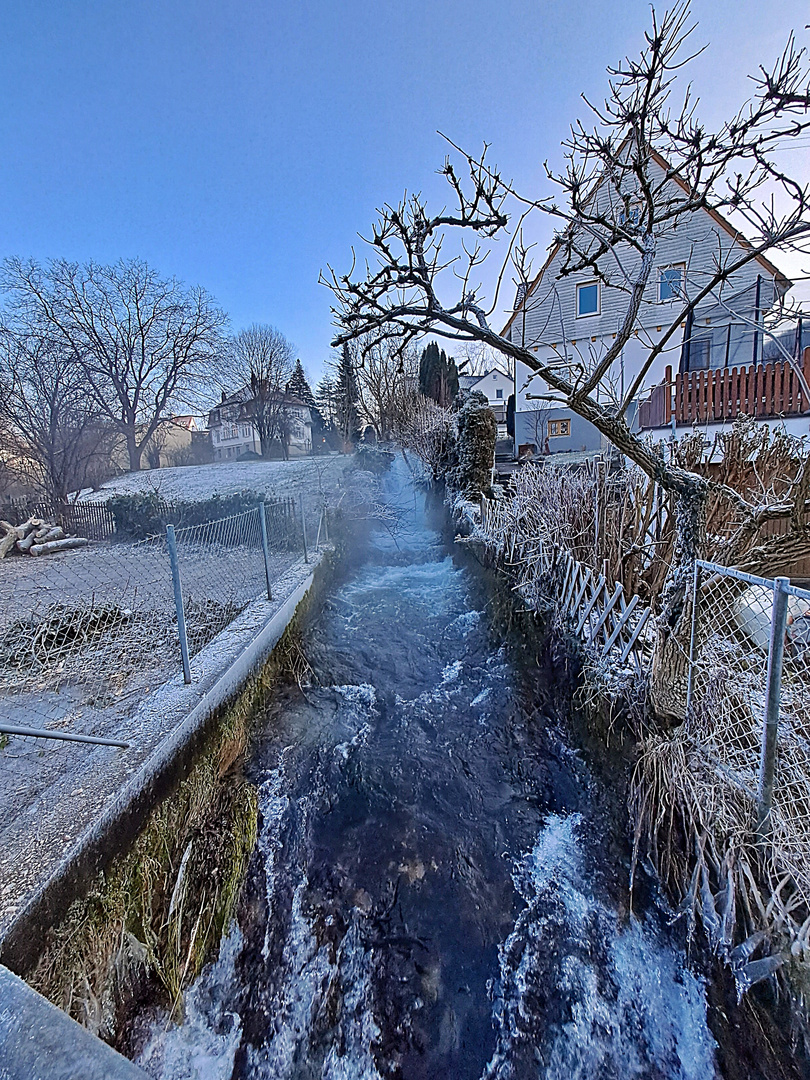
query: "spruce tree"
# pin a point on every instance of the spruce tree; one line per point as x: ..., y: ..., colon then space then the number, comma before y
x: 299, y: 387
x: 347, y: 400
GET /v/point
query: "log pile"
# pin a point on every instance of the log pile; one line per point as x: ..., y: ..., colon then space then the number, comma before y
x: 36, y: 537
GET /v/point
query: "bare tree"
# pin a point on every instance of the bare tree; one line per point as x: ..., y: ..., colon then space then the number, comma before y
x: 144, y: 342
x: 387, y: 380
x: 476, y: 358
x: 260, y: 361
x: 630, y: 182
x: 56, y: 437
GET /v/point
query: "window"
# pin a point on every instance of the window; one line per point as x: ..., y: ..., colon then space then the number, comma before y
x: 700, y: 352
x: 588, y: 299
x: 559, y: 427
x: 499, y: 394
x: 670, y: 282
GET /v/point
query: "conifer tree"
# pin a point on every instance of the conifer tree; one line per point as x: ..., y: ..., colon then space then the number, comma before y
x: 438, y: 377
x: 299, y: 387
x: 347, y: 399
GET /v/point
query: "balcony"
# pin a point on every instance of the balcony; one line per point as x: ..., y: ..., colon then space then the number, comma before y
x: 765, y: 391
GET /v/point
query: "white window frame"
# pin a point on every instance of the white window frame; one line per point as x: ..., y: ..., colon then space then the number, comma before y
x: 587, y: 285
x: 661, y: 270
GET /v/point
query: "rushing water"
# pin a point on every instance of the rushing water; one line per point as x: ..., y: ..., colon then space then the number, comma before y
x: 437, y: 890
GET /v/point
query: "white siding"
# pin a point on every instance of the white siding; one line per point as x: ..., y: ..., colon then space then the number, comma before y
x: 550, y: 325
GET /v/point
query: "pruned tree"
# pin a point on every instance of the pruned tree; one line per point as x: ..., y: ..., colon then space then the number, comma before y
x: 638, y: 175
x: 56, y: 437
x: 260, y: 362
x: 143, y: 342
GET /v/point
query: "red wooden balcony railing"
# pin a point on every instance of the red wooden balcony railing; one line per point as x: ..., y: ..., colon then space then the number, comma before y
x: 761, y: 390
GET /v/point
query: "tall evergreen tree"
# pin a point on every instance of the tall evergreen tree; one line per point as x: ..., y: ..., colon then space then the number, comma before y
x: 347, y: 400
x: 299, y: 387
x: 327, y: 401
x: 438, y: 377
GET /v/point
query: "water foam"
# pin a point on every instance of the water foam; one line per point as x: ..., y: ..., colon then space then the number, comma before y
x: 584, y: 996
x: 203, y: 1047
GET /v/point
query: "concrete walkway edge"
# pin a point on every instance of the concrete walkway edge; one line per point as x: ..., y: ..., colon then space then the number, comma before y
x: 40, y: 1042
x: 118, y: 826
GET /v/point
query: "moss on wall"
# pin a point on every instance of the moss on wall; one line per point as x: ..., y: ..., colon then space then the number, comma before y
x: 147, y: 924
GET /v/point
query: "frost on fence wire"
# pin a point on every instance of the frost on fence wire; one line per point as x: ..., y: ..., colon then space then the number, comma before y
x: 222, y: 566
x: 730, y: 673
x: 732, y: 632
x: 85, y: 634
x: 221, y: 571
x: 88, y: 630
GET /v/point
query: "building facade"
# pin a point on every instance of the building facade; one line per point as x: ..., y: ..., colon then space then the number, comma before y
x: 233, y: 431
x: 571, y: 320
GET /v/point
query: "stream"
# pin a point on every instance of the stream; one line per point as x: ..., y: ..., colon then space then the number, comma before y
x: 440, y: 884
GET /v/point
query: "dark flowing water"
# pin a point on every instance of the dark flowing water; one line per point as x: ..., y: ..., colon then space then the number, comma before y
x: 438, y: 885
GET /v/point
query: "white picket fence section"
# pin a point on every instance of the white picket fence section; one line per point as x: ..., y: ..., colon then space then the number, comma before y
x: 612, y: 625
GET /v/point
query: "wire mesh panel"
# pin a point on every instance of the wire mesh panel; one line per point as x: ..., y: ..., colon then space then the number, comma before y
x: 790, y: 816
x: 731, y: 635
x: 733, y: 646
x: 221, y: 569
x: 85, y: 631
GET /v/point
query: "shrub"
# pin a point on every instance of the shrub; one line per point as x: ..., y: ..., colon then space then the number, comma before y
x: 139, y: 516
x: 474, y: 455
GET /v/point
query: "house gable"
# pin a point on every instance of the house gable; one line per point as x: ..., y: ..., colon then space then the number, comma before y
x: 548, y: 311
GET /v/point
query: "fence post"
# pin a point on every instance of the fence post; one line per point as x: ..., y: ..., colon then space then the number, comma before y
x: 325, y: 523
x: 171, y: 543
x: 773, y: 694
x: 303, y: 526
x: 690, y: 683
x: 265, y: 548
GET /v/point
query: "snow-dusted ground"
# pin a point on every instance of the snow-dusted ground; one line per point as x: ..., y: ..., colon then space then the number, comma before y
x: 313, y: 478
x: 50, y: 792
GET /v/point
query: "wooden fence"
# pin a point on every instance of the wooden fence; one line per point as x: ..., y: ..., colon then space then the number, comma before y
x: 762, y: 390
x: 603, y: 617
x: 92, y: 520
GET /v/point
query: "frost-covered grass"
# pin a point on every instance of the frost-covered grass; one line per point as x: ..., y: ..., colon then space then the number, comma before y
x: 302, y: 476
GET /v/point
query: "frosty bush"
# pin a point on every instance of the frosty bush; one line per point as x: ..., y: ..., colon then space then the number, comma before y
x: 474, y: 456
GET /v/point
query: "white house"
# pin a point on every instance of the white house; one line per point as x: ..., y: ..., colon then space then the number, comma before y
x: 233, y: 433
x: 573, y: 320
x: 496, y: 388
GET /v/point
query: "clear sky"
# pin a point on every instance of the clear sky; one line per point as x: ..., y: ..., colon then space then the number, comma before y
x: 242, y: 145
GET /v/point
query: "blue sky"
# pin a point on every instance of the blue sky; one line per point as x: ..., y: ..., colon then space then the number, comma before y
x: 243, y: 145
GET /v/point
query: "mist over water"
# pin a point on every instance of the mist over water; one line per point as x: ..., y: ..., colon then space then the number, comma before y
x: 434, y: 891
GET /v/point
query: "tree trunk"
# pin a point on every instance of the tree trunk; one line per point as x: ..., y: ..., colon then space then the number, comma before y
x: 134, y: 451
x: 670, y: 664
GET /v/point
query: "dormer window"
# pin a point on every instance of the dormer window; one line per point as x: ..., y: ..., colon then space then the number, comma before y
x: 671, y: 282
x: 587, y: 299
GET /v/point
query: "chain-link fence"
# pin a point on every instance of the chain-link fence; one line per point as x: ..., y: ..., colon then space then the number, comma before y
x: 84, y: 634
x: 749, y: 704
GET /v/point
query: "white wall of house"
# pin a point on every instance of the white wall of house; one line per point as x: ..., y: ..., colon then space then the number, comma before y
x: 551, y: 324
x: 232, y: 438
x: 496, y: 387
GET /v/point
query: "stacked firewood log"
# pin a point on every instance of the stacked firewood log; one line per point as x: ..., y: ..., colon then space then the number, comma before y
x: 36, y: 537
